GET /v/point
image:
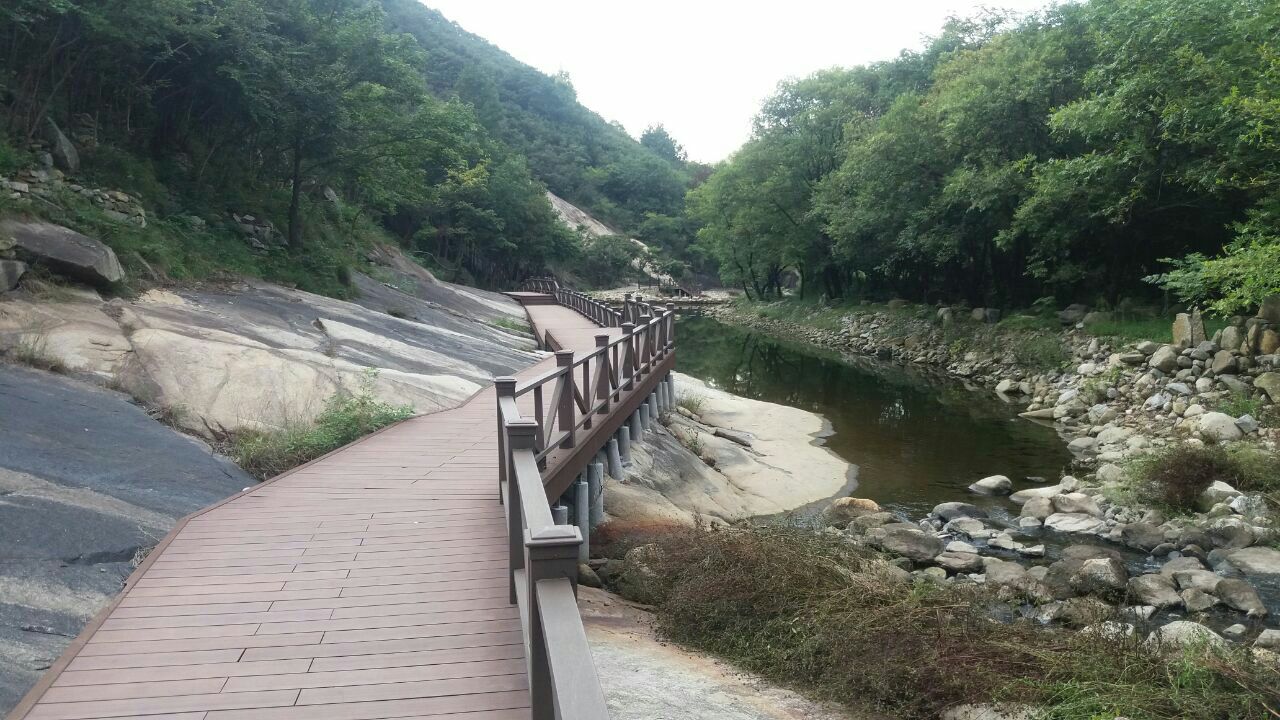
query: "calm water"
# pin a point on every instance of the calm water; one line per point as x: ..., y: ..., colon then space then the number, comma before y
x: 917, y: 440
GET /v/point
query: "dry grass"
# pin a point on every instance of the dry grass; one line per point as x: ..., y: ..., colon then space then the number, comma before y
x: 812, y: 610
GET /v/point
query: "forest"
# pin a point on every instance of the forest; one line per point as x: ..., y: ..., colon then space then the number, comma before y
x: 341, y: 122
x: 1110, y: 152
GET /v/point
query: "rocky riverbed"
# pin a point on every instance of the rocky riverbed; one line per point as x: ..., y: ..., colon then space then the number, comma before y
x: 1081, y: 551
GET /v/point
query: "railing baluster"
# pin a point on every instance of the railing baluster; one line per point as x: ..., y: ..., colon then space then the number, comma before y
x: 564, y: 359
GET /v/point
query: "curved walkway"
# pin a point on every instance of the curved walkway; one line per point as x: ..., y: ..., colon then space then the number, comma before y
x: 370, y: 583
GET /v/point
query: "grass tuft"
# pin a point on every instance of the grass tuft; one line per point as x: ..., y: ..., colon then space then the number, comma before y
x: 346, y: 418
x: 1173, y: 478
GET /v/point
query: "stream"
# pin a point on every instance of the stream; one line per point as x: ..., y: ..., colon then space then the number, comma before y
x: 915, y: 438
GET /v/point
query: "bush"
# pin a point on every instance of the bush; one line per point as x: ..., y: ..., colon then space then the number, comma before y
x: 811, y: 609
x: 1039, y: 352
x: 346, y: 418
x: 1175, y: 477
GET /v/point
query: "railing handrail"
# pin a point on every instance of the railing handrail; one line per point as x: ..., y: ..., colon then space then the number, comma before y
x: 543, y: 555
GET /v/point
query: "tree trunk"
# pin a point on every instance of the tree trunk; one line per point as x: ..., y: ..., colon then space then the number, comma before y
x: 295, y: 199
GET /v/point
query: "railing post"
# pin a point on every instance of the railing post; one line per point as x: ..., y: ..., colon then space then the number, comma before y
x: 520, y: 434
x: 671, y: 324
x: 626, y: 308
x: 628, y: 356
x: 505, y: 387
x: 565, y: 415
x: 550, y: 558
x: 604, y: 371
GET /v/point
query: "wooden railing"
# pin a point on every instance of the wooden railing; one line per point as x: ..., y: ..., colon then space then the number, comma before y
x: 567, y: 403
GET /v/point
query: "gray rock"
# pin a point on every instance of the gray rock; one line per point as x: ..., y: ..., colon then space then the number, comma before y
x: 64, y: 153
x: 994, y: 485
x: 953, y: 510
x: 1147, y: 347
x: 1255, y: 560
x: 1072, y: 314
x: 1076, y: 503
x: 1154, y: 589
x: 1048, y: 491
x: 1143, y: 536
x: 1197, y: 600
x: 1240, y: 595
x: 11, y: 271
x: 1268, y: 639
x: 1230, y: 533
x: 959, y: 562
x: 1165, y: 359
x: 860, y: 525
x: 1269, y: 383
x: 1219, y: 426
x: 914, y: 545
x: 1224, y: 361
x: 1176, y: 565
x: 1038, y: 508
x: 1270, y: 309
x: 64, y: 251
x: 1247, y: 424
x: 1180, y: 633
x: 1237, y: 631
x: 1203, y: 580
x: 1074, y: 523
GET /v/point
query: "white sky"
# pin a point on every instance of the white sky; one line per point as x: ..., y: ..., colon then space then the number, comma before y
x: 700, y: 67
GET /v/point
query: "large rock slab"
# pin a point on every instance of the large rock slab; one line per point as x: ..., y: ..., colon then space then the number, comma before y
x: 87, y: 480
x: 1255, y: 560
x: 64, y: 251
x: 1219, y: 426
x: 1074, y: 523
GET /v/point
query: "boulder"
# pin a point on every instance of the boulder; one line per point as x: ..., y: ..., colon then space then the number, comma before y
x: 1270, y: 309
x: 1188, y: 329
x: 1165, y: 359
x: 915, y: 545
x: 64, y: 251
x: 1048, y: 491
x: 1038, y: 508
x: 1072, y: 314
x: 1143, y: 536
x: 1269, y: 383
x: 64, y: 153
x: 843, y: 510
x: 952, y: 510
x: 1113, y: 435
x: 959, y: 562
x: 1153, y: 589
x: 1219, y: 426
x: 1233, y: 338
x: 1100, y: 576
x: 1203, y: 580
x: 861, y: 525
x: 1268, y: 639
x: 1256, y: 560
x: 1197, y: 600
x: 994, y: 485
x: 1074, y: 523
x: 1075, y: 503
x: 1268, y: 342
x: 1176, y: 565
x: 1181, y: 633
x: 1224, y: 361
x: 978, y: 314
x: 898, y: 304
x: 11, y: 271
x: 1096, y: 317
x: 1240, y: 595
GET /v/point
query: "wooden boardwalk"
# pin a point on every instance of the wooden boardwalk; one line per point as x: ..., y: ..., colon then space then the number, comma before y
x: 371, y: 583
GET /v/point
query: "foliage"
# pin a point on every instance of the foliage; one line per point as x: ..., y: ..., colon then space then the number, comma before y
x: 1058, y: 155
x: 813, y: 610
x: 346, y: 417
x: 336, y: 120
x: 608, y: 259
x: 1174, y: 477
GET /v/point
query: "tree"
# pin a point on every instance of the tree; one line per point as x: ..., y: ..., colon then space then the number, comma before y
x: 660, y: 142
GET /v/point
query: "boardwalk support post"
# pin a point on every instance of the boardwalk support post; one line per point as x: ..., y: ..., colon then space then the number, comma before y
x: 637, y: 426
x: 595, y: 491
x: 645, y: 423
x: 582, y: 513
x: 624, y: 445
x: 564, y: 395
x: 615, y: 459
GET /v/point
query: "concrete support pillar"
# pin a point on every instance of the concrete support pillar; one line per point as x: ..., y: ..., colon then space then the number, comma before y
x: 652, y: 402
x: 645, y: 423
x: 582, y: 515
x: 560, y: 513
x: 624, y: 445
x: 637, y: 427
x: 595, y: 476
x: 615, y: 459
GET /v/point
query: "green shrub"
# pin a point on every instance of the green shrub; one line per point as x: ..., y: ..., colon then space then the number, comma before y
x: 812, y: 610
x: 346, y: 418
x: 1176, y: 476
x: 1039, y: 352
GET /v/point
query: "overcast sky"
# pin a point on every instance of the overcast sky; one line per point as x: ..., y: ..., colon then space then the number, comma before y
x: 700, y: 67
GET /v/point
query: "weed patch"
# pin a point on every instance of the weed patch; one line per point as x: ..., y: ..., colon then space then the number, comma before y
x: 1173, y: 478
x: 814, y: 611
x: 346, y: 418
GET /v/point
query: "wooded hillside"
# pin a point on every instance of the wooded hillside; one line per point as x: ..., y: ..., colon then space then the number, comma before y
x: 339, y: 122
x: 1067, y: 154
